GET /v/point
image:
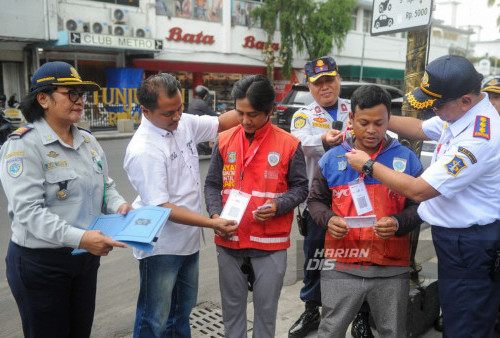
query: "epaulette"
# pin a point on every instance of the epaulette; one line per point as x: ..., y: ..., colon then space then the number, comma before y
x: 21, y: 131
x: 88, y: 131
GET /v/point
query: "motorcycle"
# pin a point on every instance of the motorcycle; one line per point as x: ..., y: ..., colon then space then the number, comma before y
x: 5, y: 127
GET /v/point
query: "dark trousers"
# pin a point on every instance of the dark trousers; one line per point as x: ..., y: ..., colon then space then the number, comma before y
x: 469, y: 297
x: 314, y: 242
x: 54, y: 290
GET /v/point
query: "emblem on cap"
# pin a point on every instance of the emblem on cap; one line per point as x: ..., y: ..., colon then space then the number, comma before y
x: 74, y: 73
x: 425, y: 80
x: 320, y: 67
x: 493, y: 82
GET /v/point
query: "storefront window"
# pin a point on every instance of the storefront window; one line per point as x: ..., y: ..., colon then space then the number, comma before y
x: 205, y: 10
x: 240, y: 13
x: 367, y: 20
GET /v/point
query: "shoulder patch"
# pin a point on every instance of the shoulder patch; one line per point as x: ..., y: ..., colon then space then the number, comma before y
x: 21, y: 131
x: 455, y: 165
x: 299, y: 121
x: 467, y: 153
x: 482, y: 127
x: 88, y: 131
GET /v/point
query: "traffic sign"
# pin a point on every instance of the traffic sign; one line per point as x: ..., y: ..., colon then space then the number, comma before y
x: 390, y: 16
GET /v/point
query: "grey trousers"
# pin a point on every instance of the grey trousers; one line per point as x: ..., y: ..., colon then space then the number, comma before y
x: 342, y: 295
x: 269, y: 272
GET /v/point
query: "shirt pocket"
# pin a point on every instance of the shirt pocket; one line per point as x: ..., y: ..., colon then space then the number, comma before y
x: 58, y: 180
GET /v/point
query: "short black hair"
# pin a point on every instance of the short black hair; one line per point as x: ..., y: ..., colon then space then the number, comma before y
x: 258, y: 90
x: 30, y: 107
x: 369, y: 96
x: 148, y: 91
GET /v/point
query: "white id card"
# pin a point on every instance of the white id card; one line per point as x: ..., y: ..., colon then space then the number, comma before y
x: 360, y: 196
x: 236, y: 205
x: 361, y: 221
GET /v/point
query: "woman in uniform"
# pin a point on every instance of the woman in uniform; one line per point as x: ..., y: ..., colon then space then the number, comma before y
x: 55, y: 177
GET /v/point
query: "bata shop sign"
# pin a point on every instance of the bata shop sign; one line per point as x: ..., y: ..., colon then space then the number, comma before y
x: 177, y: 35
x: 251, y: 43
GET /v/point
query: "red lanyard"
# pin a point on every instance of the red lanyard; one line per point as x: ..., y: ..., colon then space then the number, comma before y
x: 245, y: 164
x: 438, y: 148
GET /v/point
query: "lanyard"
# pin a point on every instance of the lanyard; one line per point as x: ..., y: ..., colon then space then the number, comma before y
x: 244, y: 163
x: 103, y: 180
x: 374, y: 156
x: 438, y: 148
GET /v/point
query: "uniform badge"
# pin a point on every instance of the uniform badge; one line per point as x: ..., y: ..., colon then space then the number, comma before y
x: 62, y: 194
x: 343, y: 107
x: 467, y: 153
x: 319, y: 119
x: 320, y: 67
x: 299, y: 122
x: 86, y: 140
x: 482, y: 127
x: 399, y: 164
x: 317, y: 110
x: 52, y: 154
x: 425, y: 80
x: 48, y: 137
x: 15, y: 167
x: 342, y: 165
x: 21, y: 131
x: 455, y: 165
x: 231, y: 157
x: 54, y: 165
x: 273, y: 158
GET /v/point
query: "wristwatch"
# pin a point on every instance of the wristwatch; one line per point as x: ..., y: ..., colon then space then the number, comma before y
x: 367, y: 168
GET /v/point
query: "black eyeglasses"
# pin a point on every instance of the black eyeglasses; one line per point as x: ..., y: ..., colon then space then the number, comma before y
x: 439, y: 105
x: 74, y: 95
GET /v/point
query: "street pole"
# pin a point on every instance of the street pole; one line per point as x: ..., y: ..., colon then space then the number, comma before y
x: 416, y: 60
x: 362, y: 58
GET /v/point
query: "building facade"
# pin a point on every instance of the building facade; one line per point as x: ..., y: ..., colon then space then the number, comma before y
x: 211, y: 42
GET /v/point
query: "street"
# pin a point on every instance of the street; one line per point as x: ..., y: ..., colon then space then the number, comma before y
x: 118, y: 281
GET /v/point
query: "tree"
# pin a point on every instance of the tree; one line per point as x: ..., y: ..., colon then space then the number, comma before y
x: 305, y: 25
x: 490, y: 4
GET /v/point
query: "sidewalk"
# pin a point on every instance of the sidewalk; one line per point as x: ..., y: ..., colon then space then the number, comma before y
x: 291, y: 307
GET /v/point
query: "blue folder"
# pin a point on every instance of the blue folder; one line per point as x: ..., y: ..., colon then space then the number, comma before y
x: 138, y: 228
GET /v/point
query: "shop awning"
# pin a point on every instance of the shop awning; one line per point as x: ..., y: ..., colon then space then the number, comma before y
x: 372, y: 72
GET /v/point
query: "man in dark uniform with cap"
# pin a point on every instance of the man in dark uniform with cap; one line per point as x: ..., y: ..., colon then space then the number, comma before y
x: 459, y: 190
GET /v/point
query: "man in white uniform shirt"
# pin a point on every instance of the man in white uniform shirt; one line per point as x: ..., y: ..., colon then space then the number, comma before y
x: 459, y: 191
x: 163, y: 166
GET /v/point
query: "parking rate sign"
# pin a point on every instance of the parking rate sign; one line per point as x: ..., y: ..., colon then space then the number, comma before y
x: 390, y: 16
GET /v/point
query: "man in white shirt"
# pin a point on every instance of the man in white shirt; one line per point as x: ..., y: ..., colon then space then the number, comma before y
x: 458, y: 191
x: 163, y: 166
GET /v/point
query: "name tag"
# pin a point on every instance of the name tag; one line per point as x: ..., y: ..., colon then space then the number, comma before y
x: 360, y: 196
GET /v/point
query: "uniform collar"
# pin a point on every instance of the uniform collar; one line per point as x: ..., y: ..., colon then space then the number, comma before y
x: 48, y: 135
x: 145, y: 123
x: 469, y: 117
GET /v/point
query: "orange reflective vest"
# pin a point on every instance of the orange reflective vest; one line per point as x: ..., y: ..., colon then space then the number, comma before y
x: 362, y: 244
x: 259, y: 169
